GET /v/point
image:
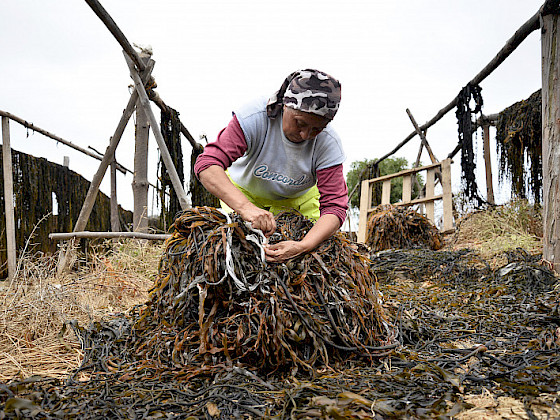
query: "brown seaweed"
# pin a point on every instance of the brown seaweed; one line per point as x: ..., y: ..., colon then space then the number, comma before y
x: 390, y: 227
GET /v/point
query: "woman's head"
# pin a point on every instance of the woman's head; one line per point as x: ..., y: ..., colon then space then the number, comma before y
x: 311, y: 91
x: 299, y: 126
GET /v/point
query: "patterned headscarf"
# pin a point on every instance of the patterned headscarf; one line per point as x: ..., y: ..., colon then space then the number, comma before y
x: 307, y: 90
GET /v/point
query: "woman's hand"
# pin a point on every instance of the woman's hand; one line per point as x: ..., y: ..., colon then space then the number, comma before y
x: 259, y: 218
x: 325, y: 227
x: 283, y: 251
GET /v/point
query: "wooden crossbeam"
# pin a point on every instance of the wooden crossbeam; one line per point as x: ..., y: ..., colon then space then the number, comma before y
x: 108, y: 235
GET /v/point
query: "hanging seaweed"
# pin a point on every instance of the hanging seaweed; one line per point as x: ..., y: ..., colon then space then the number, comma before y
x: 36, y: 182
x: 200, y: 196
x: 171, y: 131
x: 466, y: 128
x: 519, y: 143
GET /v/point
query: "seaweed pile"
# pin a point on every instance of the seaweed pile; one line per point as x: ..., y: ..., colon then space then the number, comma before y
x: 216, y: 300
x: 390, y: 227
x: 465, y: 329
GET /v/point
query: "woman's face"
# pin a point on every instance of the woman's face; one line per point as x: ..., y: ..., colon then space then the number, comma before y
x: 299, y: 126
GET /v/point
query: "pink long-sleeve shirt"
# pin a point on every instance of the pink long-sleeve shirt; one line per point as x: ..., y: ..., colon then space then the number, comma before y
x: 231, y: 145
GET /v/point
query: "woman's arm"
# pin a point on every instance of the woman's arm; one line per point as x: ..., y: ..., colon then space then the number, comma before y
x: 216, y: 181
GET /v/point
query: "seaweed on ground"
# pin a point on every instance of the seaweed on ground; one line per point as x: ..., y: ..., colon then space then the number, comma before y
x: 464, y: 328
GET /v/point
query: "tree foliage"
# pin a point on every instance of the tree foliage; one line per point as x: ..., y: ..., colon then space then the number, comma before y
x: 364, y: 169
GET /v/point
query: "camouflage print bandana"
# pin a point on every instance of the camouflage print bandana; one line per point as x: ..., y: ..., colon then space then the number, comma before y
x: 309, y: 91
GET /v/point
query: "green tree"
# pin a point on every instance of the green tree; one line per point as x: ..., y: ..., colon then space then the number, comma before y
x: 364, y: 169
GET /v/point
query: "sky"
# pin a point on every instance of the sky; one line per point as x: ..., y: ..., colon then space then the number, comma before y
x: 63, y: 71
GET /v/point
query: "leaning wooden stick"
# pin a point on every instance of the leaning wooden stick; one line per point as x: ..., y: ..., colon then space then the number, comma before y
x: 422, y: 137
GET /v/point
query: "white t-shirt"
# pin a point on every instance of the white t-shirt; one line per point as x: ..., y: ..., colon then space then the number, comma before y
x: 275, y: 168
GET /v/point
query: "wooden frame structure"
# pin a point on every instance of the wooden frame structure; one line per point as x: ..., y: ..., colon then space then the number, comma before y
x: 443, y: 167
x: 547, y: 19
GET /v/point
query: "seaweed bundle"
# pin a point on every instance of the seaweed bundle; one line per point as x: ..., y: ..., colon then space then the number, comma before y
x: 171, y: 132
x: 466, y: 127
x: 217, y: 301
x: 389, y: 227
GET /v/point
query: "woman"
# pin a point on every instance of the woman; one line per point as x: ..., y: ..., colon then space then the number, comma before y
x: 282, y: 154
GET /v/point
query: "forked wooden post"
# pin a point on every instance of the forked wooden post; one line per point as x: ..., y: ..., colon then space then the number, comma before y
x: 9, y: 197
x: 551, y: 137
x: 166, y: 157
x: 140, y: 179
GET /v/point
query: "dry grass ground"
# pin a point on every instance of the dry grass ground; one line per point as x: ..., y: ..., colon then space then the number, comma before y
x: 37, y: 306
x: 517, y: 224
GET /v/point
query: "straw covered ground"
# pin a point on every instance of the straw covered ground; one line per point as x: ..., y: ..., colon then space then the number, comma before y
x: 477, y: 326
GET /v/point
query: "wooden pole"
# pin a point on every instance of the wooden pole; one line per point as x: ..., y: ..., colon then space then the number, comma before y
x: 107, y: 235
x: 447, y: 196
x: 102, y: 14
x: 9, y: 197
x: 166, y: 157
x: 365, y: 204
x: 430, y: 192
x: 550, y: 43
x: 115, y: 222
x: 488, y: 163
x: 140, y: 180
